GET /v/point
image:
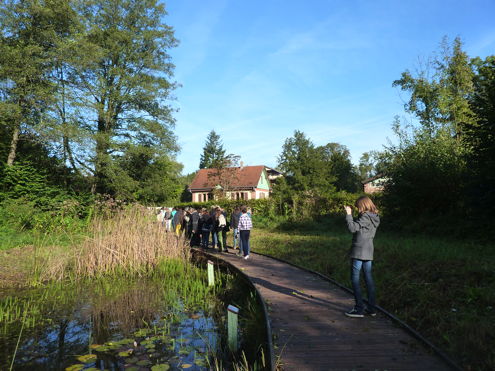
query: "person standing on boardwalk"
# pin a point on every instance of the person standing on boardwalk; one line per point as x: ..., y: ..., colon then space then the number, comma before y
x: 234, y: 225
x: 174, y: 211
x: 178, y: 220
x: 205, y: 227
x: 167, y: 219
x: 245, y: 226
x: 363, y: 231
x: 220, y: 224
x: 195, y: 238
x: 225, y: 230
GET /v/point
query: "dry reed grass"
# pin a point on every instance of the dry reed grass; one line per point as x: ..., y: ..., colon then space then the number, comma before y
x: 130, y: 242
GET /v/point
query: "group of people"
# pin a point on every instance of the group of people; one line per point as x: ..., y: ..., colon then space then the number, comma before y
x: 198, y: 225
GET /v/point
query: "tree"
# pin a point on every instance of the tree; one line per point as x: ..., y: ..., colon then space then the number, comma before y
x: 481, y: 138
x: 338, y: 160
x: 366, y: 166
x: 225, y: 175
x: 440, y: 94
x: 29, y: 42
x: 122, y: 80
x: 428, y: 165
x: 213, y: 155
x: 304, y: 166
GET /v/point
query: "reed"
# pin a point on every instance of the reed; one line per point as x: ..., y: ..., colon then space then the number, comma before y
x: 129, y: 243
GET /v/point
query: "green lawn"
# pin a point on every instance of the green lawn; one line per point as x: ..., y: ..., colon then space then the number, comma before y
x: 444, y: 289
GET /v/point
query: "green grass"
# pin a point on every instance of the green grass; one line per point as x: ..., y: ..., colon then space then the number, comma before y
x: 443, y: 288
x: 11, y: 237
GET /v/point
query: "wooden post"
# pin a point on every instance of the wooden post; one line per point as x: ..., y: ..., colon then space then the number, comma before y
x: 232, y: 313
x: 211, y: 274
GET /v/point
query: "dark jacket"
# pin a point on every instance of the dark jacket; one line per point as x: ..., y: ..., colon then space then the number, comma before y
x: 205, y: 222
x: 178, y: 218
x: 234, y: 220
x: 363, y: 229
x: 195, y: 220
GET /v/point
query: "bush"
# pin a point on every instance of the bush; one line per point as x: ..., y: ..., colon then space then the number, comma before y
x: 28, y: 201
x: 298, y: 207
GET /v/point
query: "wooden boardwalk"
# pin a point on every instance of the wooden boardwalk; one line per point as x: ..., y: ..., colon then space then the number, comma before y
x: 310, y: 329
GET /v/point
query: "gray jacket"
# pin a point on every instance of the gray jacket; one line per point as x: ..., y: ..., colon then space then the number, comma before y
x: 363, y: 230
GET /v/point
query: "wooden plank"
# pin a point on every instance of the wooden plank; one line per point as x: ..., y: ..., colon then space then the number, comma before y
x: 311, y: 331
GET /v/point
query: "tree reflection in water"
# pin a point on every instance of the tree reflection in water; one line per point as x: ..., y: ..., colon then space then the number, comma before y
x: 64, y: 321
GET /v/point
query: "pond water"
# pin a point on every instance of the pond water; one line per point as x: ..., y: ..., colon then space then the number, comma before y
x: 172, y: 320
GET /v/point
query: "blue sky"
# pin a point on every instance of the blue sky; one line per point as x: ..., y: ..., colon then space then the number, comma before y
x: 255, y: 71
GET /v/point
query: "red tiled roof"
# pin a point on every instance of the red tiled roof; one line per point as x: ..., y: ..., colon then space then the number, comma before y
x: 245, y: 177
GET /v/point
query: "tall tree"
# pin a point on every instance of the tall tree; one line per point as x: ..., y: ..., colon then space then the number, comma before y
x: 213, y: 155
x: 440, y: 93
x: 481, y: 137
x: 304, y: 166
x: 122, y: 80
x: 29, y: 40
x: 428, y: 164
x: 338, y: 160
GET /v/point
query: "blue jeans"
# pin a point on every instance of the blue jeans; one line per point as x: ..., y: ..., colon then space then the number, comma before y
x: 245, y: 242
x: 356, y: 267
x: 214, y: 238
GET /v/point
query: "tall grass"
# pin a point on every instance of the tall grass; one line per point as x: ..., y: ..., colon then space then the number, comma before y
x: 130, y: 242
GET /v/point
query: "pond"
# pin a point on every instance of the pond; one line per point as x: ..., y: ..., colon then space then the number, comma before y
x: 170, y: 320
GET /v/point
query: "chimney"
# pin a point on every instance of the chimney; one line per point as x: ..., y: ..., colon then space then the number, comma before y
x: 242, y: 164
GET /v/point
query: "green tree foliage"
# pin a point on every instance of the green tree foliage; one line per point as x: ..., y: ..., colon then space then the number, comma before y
x: 29, y: 39
x: 87, y: 85
x: 338, y: 158
x: 312, y: 176
x: 439, y: 94
x: 122, y: 77
x: 304, y: 166
x: 481, y: 137
x: 428, y: 166
x: 213, y: 155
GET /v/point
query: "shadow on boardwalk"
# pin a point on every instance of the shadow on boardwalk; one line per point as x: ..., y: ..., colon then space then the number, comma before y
x: 311, y: 332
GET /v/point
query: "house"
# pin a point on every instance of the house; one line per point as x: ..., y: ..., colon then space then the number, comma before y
x: 273, y: 175
x: 374, y: 184
x: 236, y: 183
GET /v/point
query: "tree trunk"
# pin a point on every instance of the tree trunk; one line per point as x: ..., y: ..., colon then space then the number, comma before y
x: 13, y: 145
x: 101, y: 163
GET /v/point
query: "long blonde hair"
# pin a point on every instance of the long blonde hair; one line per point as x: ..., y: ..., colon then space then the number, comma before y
x: 364, y: 204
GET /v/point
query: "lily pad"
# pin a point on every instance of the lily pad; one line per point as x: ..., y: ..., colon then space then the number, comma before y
x: 76, y: 367
x: 132, y: 360
x: 186, y: 365
x: 142, y: 332
x: 87, y: 358
x: 143, y: 362
x: 102, y: 348
x: 161, y: 367
x: 200, y: 362
x: 124, y: 354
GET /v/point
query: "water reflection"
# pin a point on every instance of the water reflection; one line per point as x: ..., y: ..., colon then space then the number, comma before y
x: 125, y: 324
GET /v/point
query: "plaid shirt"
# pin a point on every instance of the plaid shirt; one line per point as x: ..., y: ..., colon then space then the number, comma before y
x: 245, y: 223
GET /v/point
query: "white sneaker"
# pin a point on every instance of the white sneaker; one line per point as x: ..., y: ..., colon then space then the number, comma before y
x: 246, y: 257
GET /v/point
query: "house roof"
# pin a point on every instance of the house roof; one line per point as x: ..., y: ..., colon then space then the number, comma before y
x: 237, y: 177
x: 378, y: 176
